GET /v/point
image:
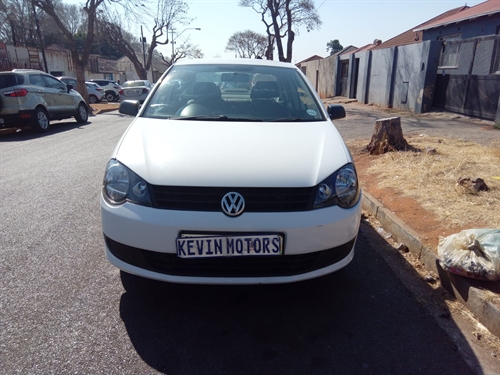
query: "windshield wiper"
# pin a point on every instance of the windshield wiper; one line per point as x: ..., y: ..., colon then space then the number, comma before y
x: 290, y: 119
x: 215, y: 118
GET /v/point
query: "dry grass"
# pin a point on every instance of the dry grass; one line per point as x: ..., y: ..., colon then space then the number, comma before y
x: 431, y: 178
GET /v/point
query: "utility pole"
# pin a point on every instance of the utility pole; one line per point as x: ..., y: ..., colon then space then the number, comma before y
x: 143, y: 41
x: 172, y: 41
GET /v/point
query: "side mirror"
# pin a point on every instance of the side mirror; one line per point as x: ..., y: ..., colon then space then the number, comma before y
x: 69, y: 88
x: 129, y: 107
x: 335, y: 111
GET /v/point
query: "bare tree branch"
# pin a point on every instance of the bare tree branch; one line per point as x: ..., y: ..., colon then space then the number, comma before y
x: 168, y: 14
x: 185, y: 50
x: 247, y: 44
x: 282, y: 19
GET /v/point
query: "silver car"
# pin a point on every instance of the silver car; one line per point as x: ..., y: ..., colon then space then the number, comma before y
x: 34, y: 98
x: 135, y: 90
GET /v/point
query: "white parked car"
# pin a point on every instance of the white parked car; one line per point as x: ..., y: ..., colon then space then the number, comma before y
x: 245, y: 185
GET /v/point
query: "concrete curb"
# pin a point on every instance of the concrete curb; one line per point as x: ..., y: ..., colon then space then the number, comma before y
x: 473, y: 294
x: 99, y: 111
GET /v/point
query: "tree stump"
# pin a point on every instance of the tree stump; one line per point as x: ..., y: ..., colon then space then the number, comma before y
x: 387, y: 136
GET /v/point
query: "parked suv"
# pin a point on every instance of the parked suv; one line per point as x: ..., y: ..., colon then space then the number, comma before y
x: 34, y: 98
x: 111, y: 89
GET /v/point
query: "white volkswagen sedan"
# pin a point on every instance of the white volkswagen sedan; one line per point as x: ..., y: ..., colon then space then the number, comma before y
x: 231, y: 173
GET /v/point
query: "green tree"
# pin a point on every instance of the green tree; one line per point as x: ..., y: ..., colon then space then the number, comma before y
x: 334, y: 46
x: 247, y: 44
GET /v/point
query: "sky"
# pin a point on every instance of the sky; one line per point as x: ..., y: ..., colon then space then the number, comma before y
x: 352, y: 22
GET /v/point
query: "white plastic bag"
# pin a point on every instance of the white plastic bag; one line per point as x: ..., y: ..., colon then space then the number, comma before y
x: 472, y: 253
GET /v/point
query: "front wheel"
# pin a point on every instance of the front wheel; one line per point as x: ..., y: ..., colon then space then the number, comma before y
x: 82, y: 114
x: 93, y: 99
x: 110, y: 96
x: 41, y: 123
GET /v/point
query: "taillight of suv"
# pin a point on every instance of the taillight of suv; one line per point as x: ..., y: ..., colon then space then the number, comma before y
x: 15, y: 93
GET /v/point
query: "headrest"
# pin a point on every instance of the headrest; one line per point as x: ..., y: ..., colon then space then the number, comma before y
x: 206, y: 89
x: 265, y: 90
x: 262, y: 77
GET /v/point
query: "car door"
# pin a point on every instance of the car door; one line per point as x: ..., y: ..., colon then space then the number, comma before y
x: 42, y: 92
x: 63, y: 101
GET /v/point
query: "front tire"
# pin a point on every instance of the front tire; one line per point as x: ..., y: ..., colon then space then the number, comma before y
x: 82, y: 114
x: 93, y: 99
x: 110, y: 96
x: 42, y: 122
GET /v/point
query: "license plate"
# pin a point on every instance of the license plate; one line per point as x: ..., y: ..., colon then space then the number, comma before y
x: 132, y: 92
x: 229, y: 246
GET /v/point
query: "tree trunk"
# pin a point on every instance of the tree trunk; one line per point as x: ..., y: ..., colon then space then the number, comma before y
x: 387, y: 136
x: 80, y: 75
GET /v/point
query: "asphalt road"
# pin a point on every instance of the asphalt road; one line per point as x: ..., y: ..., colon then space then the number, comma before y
x: 65, y: 309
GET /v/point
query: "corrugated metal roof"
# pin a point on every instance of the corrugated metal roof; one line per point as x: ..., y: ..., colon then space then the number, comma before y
x: 411, y: 36
x: 312, y: 58
x: 367, y: 47
x: 487, y: 8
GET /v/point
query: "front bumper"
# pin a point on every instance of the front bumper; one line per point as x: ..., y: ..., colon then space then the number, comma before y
x: 141, y: 240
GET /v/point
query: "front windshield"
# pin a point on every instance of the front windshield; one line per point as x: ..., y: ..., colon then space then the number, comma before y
x: 234, y: 92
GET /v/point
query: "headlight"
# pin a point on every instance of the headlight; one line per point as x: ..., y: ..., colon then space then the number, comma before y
x: 341, y: 188
x: 121, y: 184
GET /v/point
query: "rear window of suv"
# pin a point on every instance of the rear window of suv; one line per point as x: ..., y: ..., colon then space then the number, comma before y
x: 101, y: 83
x: 9, y: 80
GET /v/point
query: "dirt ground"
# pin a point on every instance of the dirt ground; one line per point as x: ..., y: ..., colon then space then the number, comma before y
x: 408, y: 209
x: 104, y: 107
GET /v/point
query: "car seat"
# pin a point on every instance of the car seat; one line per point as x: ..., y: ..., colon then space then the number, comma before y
x: 264, y: 104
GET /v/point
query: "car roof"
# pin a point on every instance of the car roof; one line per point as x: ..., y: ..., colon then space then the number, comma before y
x: 256, y: 62
x: 28, y: 70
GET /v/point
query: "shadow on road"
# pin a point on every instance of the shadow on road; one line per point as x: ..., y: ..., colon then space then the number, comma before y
x: 26, y: 133
x: 361, y: 320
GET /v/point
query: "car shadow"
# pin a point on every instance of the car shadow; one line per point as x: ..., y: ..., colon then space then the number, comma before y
x: 359, y: 320
x: 25, y: 133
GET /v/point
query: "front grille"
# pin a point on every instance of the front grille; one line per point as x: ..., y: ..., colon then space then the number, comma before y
x: 285, y: 265
x: 256, y: 199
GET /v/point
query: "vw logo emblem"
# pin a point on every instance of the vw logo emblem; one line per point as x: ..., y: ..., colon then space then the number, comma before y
x: 233, y: 204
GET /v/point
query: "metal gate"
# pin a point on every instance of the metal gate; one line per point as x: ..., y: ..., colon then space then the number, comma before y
x: 468, y: 82
x: 469, y: 95
x: 344, y: 77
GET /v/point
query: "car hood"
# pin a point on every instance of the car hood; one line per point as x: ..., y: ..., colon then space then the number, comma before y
x: 236, y: 154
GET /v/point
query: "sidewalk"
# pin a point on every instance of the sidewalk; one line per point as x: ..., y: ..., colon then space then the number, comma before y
x: 104, y: 107
x: 480, y: 298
